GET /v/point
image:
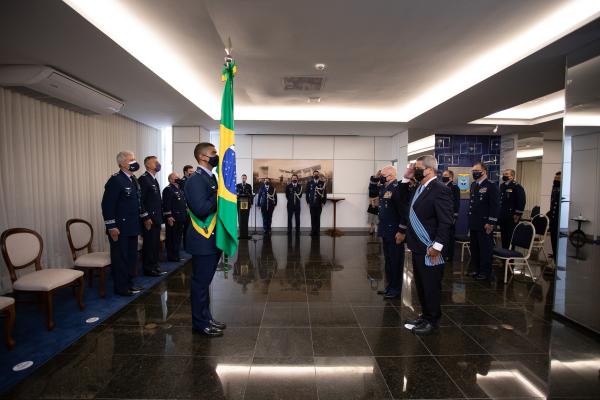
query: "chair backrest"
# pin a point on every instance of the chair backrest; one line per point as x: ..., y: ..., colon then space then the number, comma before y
x: 523, y: 237
x: 21, y: 248
x: 80, y: 235
x: 535, y: 211
x: 541, y: 224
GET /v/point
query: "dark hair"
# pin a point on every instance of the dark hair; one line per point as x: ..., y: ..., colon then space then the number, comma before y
x: 245, y: 175
x: 483, y: 166
x: 317, y: 171
x: 148, y: 159
x: 186, y: 167
x: 294, y: 175
x: 450, y: 172
x: 199, y: 149
x: 558, y: 173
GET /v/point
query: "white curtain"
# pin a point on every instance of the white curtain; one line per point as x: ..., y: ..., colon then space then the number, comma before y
x: 529, y: 175
x: 53, y: 167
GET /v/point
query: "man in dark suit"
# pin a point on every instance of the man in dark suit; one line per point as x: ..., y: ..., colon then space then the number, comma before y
x: 293, y: 194
x: 267, y: 201
x: 553, y: 214
x: 448, y: 179
x: 175, y: 213
x: 429, y: 223
x: 394, y: 200
x: 153, y: 204
x: 483, y: 216
x: 316, y: 196
x: 512, y: 205
x: 201, y: 197
x: 123, y: 210
x: 244, y: 203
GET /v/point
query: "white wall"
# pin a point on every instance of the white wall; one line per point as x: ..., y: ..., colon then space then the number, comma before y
x: 355, y: 159
x: 508, y: 156
x: 585, y: 193
x: 185, y: 138
x: 529, y: 174
x: 54, y: 164
x: 551, y: 163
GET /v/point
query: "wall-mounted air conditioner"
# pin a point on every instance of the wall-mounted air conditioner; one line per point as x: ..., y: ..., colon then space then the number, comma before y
x: 53, y: 84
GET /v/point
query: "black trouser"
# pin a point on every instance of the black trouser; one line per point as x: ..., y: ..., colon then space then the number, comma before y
x: 428, y: 280
x: 481, y: 245
x: 507, y: 226
x: 394, y: 265
x: 151, y: 247
x: 243, y: 217
x: 267, y: 216
x: 294, y: 211
x: 554, y: 238
x: 123, y: 256
x: 173, y: 239
x: 203, y: 272
x: 315, y: 219
x: 448, y: 249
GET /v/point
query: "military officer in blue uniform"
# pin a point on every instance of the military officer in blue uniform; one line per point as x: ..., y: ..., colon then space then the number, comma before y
x: 123, y: 210
x: 245, y: 199
x: 316, y: 196
x: 448, y: 179
x: 201, y: 197
x: 483, y: 216
x: 394, y: 200
x: 188, y: 170
x: 152, y: 202
x: 293, y: 194
x: 512, y: 205
x: 267, y: 200
x: 175, y: 214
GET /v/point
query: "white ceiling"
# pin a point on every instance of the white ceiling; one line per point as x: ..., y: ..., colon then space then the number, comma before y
x: 387, y: 60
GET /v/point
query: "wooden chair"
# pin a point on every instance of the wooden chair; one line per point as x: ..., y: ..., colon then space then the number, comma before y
x: 7, y: 307
x: 80, y: 235
x: 22, y: 248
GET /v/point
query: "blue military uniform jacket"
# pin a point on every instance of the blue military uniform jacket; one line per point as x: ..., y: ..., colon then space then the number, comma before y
x: 267, y: 201
x: 151, y: 198
x: 455, y: 198
x: 394, y: 200
x: 316, y: 195
x: 512, y: 199
x: 201, y: 197
x: 293, y: 194
x: 484, y: 205
x: 174, y: 204
x: 554, y: 203
x: 121, y: 204
x: 245, y: 190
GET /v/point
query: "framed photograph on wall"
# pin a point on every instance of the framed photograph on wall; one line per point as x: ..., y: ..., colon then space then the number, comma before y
x: 280, y: 172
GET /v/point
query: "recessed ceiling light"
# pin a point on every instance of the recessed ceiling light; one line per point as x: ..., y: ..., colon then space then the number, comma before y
x: 320, y: 67
x: 314, y: 99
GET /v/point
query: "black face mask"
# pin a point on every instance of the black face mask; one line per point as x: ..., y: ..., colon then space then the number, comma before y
x: 316, y: 177
x: 213, y: 161
x: 504, y: 178
x: 445, y: 179
x: 556, y: 183
x: 179, y: 181
x: 294, y: 181
x: 477, y: 174
x: 419, y: 174
x: 382, y: 180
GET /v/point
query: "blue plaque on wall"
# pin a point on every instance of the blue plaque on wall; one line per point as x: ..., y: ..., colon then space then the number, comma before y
x: 463, y: 182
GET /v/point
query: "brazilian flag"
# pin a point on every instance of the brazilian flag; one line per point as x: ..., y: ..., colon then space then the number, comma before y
x: 226, y: 229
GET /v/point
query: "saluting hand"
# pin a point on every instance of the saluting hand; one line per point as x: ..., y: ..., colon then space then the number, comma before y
x: 148, y: 224
x: 114, y: 234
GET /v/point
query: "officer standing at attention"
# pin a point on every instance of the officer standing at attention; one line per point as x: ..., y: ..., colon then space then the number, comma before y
x: 316, y: 196
x: 267, y: 200
x: 293, y: 194
x: 153, y: 206
x: 201, y: 197
x: 175, y: 213
x: 512, y: 205
x: 448, y: 179
x: 122, y: 210
x: 483, y: 216
x: 553, y: 214
x: 393, y: 213
x: 244, y: 203
x: 188, y: 170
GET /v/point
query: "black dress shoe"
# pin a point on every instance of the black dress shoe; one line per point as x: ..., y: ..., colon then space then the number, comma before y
x: 136, y: 289
x: 154, y: 272
x: 217, y: 324
x: 424, y: 329
x: 209, y: 331
x: 415, y: 322
x: 173, y: 259
x: 482, y: 277
x: 127, y: 293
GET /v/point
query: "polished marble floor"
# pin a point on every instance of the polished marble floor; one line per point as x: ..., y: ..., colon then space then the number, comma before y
x: 305, y: 322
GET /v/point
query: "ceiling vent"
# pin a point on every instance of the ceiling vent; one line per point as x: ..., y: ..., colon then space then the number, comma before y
x: 303, y: 83
x: 55, y: 87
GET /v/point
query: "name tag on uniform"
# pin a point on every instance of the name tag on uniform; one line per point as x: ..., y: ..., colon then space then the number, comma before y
x: 387, y: 195
x: 483, y: 190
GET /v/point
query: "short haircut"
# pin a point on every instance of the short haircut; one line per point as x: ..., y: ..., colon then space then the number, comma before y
x: 450, y: 172
x: 429, y: 161
x: 294, y: 175
x: 513, y: 173
x: 483, y: 166
x: 199, y: 149
x: 245, y: 175
x: 148, y: 159
x: 317, y: 171
x: 186, y: 167
x: 122, y: 156
x: 171, y: 176
x: 558, y: 173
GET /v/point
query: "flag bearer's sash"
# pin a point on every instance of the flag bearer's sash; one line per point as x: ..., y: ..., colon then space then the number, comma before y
x: 206, y: 227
